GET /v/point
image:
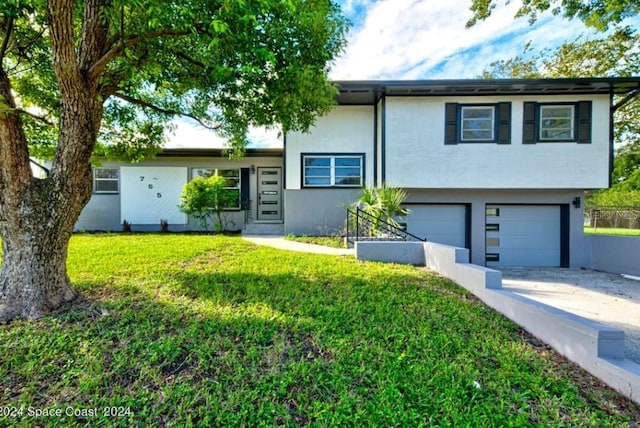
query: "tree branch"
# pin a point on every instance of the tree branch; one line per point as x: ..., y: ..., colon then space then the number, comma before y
x: 7, y: 37
x: 98, y: 67
x: 150, y: 106
x: 187, y: 58
x: 42, y: 119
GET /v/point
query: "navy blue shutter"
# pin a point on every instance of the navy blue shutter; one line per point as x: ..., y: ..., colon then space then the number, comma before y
x: 504, y: 123
x: 451, y: 123
x: 583, y: 125
x: 529, y: 127
x: 244, y: 188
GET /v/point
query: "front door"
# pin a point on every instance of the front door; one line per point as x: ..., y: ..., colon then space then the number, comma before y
x: 270, y: 193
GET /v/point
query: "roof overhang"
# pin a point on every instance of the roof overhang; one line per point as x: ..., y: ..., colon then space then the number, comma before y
x: 367, y: 92
x: 218, y: 153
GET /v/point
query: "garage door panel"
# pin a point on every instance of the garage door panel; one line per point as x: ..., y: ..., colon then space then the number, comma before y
x: 444, y: 224
x: 526, y: 257
x: 524, y: 241
x: 526, y: 236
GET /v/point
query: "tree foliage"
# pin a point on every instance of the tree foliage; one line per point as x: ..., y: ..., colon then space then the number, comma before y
x: 226, y: 64
x: 599, y: 14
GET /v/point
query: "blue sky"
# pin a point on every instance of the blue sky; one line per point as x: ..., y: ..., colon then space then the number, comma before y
x: 417, y: 39
x: 427, y: 39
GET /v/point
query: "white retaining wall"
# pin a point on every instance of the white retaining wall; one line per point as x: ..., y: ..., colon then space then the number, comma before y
x: 616, y: 254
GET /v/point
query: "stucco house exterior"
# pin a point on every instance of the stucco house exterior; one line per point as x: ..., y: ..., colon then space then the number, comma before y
x: 496, y: 166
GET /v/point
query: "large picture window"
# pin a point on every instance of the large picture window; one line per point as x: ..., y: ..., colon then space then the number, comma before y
x: 332, y: 170
x: 106, y: 180
x: 232, y: 176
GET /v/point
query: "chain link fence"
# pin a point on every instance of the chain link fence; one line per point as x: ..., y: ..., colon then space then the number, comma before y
x: 612, y: 217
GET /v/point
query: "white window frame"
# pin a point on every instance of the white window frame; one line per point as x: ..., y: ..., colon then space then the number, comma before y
x: 208, y: 172
x: 464, y: 120
x: 332, y: 170
x: 97, y: 180
x: 571, y: 128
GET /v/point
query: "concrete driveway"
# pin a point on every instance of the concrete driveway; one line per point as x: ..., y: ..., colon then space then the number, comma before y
x: 607, y: 298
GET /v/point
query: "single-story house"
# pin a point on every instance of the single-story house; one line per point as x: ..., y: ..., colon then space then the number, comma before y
x: 497, y: 166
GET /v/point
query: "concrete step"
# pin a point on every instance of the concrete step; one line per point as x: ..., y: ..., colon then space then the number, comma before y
x: 263, y: 229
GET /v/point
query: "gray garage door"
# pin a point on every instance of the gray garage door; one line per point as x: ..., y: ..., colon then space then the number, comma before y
x: 523, y: 236
x: 444, y: 224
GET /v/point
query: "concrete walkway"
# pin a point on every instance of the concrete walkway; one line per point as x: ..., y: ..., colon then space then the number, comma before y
x: 603, y: 297
x: 284, y: 244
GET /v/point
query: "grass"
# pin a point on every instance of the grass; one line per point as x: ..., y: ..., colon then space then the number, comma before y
x: 327, y: 241
x: 611, y: 231
x: 213, y: 331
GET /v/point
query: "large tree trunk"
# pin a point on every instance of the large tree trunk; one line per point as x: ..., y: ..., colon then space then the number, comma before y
x: 37, y: 216
x: 36, y: 234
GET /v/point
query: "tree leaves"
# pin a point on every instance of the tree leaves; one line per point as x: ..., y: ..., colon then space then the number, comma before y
x: 599, y: 14
x: 231, y: 64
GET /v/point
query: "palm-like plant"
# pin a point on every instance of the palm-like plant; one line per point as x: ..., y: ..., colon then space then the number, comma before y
x: 383, y: 204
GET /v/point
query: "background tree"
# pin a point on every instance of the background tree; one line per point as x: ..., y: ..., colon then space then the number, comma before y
x: 205, y: 198
x: 615, y: 55
x: 599, y: 14
x: 76, y: 76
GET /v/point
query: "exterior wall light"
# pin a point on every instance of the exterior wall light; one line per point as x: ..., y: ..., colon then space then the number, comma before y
x: 577, y: 202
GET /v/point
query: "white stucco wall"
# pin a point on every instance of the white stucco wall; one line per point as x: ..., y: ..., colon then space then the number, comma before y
x: 106, y: 211
x: 416, y: 156
x: 346, y: 129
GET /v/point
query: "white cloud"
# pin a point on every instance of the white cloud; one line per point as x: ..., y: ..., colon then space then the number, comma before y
x: 418, y: 39
x: 189, y: 135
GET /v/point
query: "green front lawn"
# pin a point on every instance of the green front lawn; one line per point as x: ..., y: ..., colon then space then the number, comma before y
x: 194, y: 330
x: 611, y: 231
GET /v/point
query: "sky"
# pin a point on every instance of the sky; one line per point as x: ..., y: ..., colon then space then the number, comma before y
x: 417, y: 39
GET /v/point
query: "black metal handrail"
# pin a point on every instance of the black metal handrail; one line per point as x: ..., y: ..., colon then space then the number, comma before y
x: 362, y: 226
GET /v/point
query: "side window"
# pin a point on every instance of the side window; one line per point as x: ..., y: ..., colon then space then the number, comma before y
x: 478, y: 123
x: 233, y: 184
x: 106, y: 180
x: 332, y: 170
x: 232, y: 177
x: 557, y: 123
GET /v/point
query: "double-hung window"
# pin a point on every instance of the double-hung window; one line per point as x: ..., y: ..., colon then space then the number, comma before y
x: 568, y: 122
x: 232, y: 176
x: 106, y: 180
x: 478, y: 123
x: 332, y: 170
x: 556, y: 122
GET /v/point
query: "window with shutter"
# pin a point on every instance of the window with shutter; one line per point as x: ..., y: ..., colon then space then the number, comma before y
x: 557, y: 122
x: 478, y: 123
x: 234, y: 182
